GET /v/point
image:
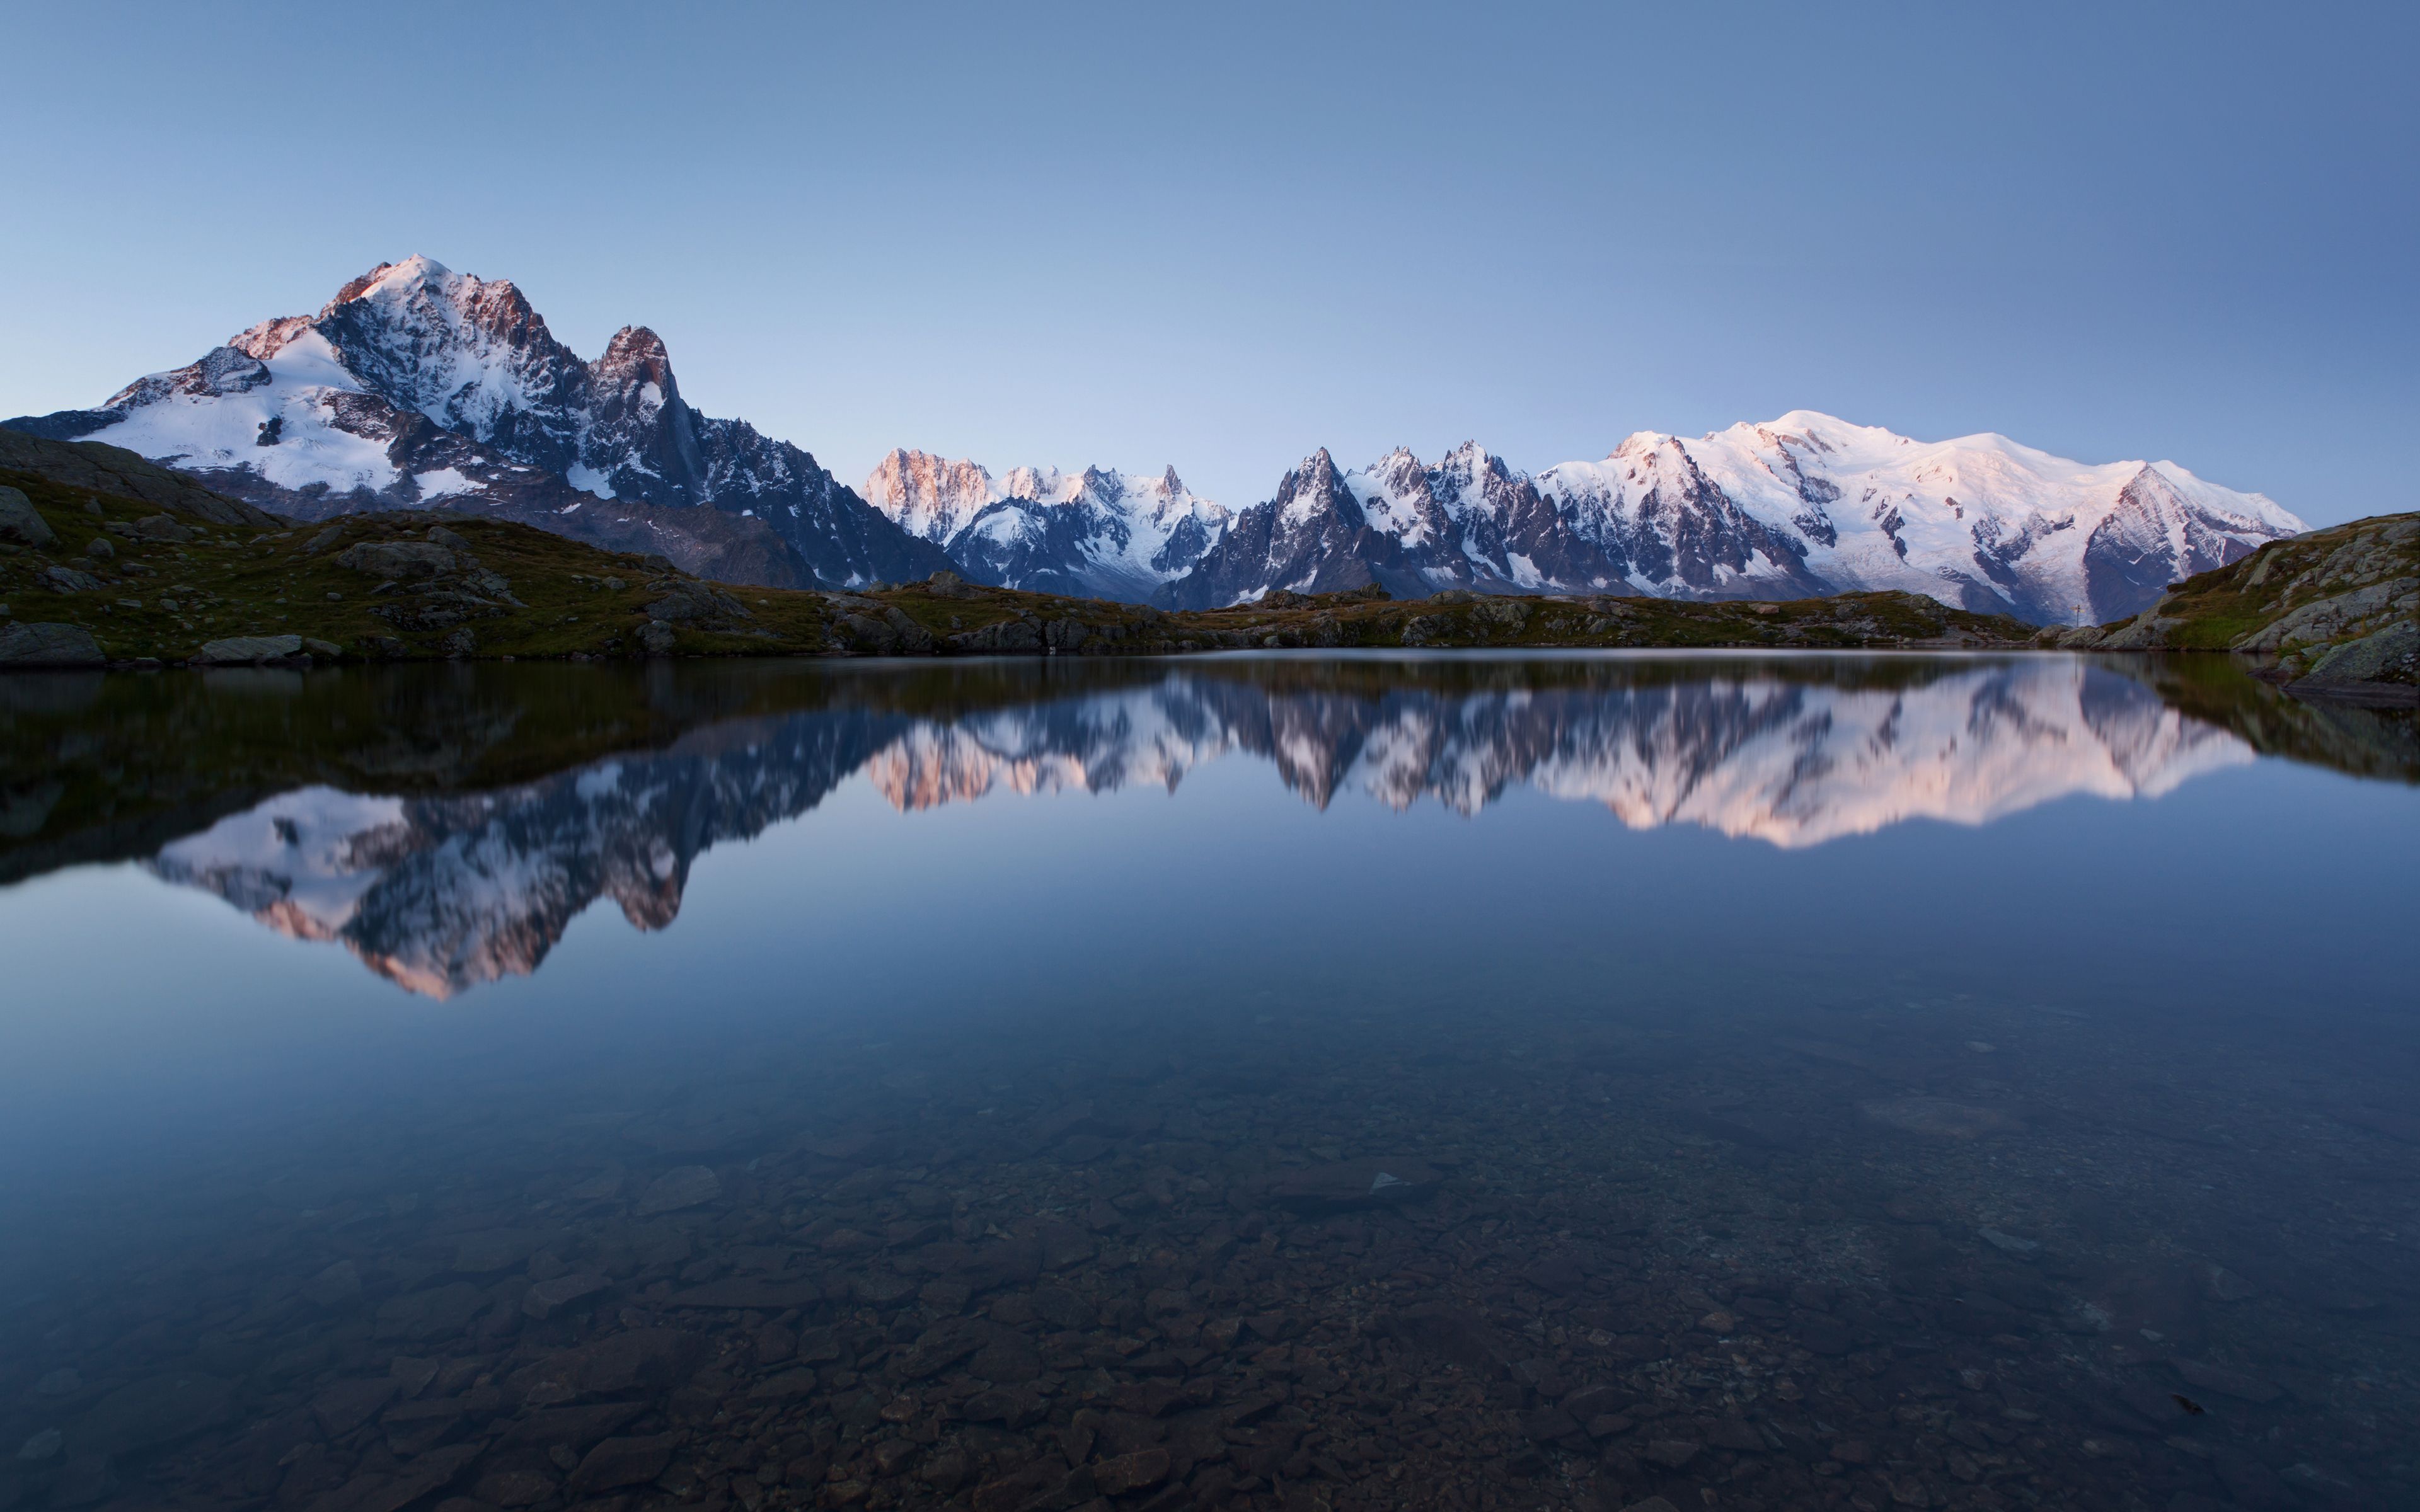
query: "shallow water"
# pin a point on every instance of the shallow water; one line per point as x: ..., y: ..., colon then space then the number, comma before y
x: 1269, y: 1082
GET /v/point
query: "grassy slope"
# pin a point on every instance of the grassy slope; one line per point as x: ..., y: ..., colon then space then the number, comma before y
x: 232, y: 580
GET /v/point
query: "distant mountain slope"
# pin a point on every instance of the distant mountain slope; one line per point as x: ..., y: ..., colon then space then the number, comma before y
x: 416, y: 384
x: 1098, y: 532
x: 1807, y: 505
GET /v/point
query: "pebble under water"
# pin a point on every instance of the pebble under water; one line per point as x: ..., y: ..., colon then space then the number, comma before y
x: 1576, y: 1082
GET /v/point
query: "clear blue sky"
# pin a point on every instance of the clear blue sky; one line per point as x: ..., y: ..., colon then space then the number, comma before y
x: 1220, y: 236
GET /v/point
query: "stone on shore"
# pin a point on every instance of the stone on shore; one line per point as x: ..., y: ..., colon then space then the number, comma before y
x: 48, y: 644
x: 244, y: 650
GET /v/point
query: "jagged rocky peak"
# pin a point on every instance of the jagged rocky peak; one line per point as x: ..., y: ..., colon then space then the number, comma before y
x: 1313, y: 483
x: 1041, y: 485
x: 928, y: 496
x: 633, y: 359
x: 1097, y: 531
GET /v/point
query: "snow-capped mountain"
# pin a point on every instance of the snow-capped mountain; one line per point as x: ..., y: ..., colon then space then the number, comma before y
x: 417, y: 384
x: 438, y: 894
x: 1805, y: 504
x: 1098, y: 532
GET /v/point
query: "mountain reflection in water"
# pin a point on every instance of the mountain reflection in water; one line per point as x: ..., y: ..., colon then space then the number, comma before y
x: 1361, y: 1081
x: 443, y: 890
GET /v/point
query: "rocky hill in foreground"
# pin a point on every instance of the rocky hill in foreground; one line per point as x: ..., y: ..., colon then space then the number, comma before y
x: 2337, y: 610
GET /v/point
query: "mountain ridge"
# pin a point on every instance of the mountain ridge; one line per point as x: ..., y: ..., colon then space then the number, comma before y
x: 1801, y: 506
x: 416, y: 385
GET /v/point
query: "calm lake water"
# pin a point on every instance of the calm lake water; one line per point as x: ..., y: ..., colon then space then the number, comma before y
x: 1271, y: 1082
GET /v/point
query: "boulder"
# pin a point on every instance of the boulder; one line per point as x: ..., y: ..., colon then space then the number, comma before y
x: 642, y: 1361
x: 693, y: 602
x: 493, y: 584
x: 1139, y: 1471
x: 21, y: 523
x: 2373, y: 658
x: 67, y: 581
x: 48, y: 645
x: 1007, y: 634
x: 547, y: 1298
x: 161, y: 528
x: 400, y: 560
x: 683, y: 1186
x: 244, y: 650
x: 1368, y: 1182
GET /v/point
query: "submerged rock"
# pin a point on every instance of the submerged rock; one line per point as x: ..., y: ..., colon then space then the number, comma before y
x: 683, y: 1186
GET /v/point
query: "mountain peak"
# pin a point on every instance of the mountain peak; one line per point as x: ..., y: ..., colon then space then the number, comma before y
x: 927, y: 496
x: 397, y: 281
x: 635, y: 357
x: 635, y: 343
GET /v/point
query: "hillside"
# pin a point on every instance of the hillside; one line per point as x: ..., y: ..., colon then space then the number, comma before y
x: 92, y: 573
x: 2332, y: 614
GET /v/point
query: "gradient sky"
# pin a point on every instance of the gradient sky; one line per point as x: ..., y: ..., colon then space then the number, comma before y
x: 1224, y: 236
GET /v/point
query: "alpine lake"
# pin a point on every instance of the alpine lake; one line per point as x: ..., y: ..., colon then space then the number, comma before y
x: 1752, y: 1082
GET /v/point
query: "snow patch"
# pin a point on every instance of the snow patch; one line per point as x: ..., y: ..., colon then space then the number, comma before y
x: 588, y: 480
